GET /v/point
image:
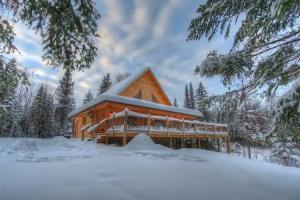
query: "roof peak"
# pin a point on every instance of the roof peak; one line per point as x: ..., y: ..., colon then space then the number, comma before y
x: 122, y: 85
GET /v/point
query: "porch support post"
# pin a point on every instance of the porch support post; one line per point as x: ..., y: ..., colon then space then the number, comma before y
x: 199, y: 142
x: 125, y: 128
x: 227, y: 145
x: 113, y: 123
x: 149, y: 123
x: 183, y: 127
x: 167, y: 126
x: 171, y: 142
x: 106, y: 139
x: 218, y: 143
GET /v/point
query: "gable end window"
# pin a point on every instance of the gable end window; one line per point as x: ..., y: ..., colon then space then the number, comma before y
x: 138, y: 95
x: 154, y: 99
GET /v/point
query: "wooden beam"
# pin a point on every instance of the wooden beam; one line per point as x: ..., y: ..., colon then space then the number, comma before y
x: 183, y: 127
x: 218, y: 143
x: 167, y: 126
x: 113, y: 123
x: 124, y: 142
x: 149, y: 123
x: 171, y: 142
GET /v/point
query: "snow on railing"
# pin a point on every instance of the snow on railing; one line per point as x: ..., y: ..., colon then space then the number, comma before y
x: 152, y: 123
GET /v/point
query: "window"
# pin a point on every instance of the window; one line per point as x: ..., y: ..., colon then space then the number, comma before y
x: 154, y: 99
x: 138, y: 95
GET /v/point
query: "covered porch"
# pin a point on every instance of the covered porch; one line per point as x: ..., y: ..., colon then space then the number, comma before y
x: 124, y: 125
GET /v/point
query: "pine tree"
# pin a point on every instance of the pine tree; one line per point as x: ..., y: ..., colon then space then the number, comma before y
x: 42, y: 114
x: 105, y: 84
x: 175, y: 102
x: 88, y: 97
x: 192, y: 98
x: 186, y: 97
x: 202, y: 101
x: 121, y: 76
x: 68, y: 43
x: 65, y: 102
x: 11, y: 76
x: 285, y: 152
x: 270, y: 58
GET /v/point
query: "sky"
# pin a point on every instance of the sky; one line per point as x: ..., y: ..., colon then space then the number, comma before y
x: 134, y: 34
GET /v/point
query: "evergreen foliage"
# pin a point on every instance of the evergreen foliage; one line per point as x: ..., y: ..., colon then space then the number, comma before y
x: 88, y: 97
x: 121, y: 76
x: 192, y: 97
x: 186, y: 97
x: 67, y: 28
x: 202, y: 101
x: 10, y: 77
x: 65, y: 102
x: 175, y: 102
x: 265, y: 48
x: 42, y: 114
x: 105, y: 84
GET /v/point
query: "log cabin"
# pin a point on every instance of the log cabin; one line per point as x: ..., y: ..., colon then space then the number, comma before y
x: 138, y: 104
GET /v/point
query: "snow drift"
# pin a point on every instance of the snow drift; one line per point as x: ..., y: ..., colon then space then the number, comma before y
x: 143, y: 142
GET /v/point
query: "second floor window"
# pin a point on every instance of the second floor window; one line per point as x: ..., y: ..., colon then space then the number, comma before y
x: 138, y: 95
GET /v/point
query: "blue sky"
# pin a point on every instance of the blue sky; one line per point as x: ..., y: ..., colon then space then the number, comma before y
x: 134, y: 34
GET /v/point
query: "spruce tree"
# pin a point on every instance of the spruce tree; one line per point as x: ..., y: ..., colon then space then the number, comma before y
x: 88, y: 97
x: 265, y: 48
x: 175, y: 102
x: 105, y: 84
x: 68, y: 30
x: 186, y: 97
x: 202, y: 101
x: 65, y: 102
x: 192, y: 98
x: 42, y: 114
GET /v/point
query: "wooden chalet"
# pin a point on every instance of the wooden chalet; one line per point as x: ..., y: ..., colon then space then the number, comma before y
x: 138, y: 104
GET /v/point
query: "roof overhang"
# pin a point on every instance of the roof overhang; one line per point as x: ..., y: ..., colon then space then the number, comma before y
x: 136, y: 102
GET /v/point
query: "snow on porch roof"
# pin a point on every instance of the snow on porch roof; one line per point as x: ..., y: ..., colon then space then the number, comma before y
x: 135, y: 102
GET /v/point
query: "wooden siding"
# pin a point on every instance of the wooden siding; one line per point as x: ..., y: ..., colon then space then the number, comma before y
x: 105, y: 109
x: 148, y: 85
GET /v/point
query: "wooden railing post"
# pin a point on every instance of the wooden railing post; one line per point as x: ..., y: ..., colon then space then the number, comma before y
x: 167, y: 126
x: 113, y: 123
x: 125, y: 127
x: 149, y: 123
x: 183, y: 127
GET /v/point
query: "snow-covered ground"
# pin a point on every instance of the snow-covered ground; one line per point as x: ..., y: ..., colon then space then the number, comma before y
x: 58, y: 168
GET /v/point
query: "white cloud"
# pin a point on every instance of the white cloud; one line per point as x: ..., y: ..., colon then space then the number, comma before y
x: 134, y: 34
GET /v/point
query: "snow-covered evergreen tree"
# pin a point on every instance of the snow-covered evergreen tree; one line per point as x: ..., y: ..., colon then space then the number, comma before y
x: 42, y: 114
x: 192, y: 97
x: 175, y: 102
x: 121, y: 76
x: 88, y: 97
x: 285, y: 152
x: 186, y: 97
x: 65, y: 102
x: 105, y: 84
x: 265, y: 48
x: 10, y: 77
x: 202, y: 101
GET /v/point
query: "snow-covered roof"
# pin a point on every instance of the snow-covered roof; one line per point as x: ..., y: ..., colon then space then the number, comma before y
x: 135, y: 102
x: 113, y: 95
x: 125, y: 83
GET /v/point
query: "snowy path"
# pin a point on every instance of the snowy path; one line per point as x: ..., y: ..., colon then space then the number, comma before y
x: 33, y: 169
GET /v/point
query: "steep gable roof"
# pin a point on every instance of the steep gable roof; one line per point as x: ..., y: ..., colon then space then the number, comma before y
x: 125, y: 83
x: 123, y: 87
x: 113, y: 95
